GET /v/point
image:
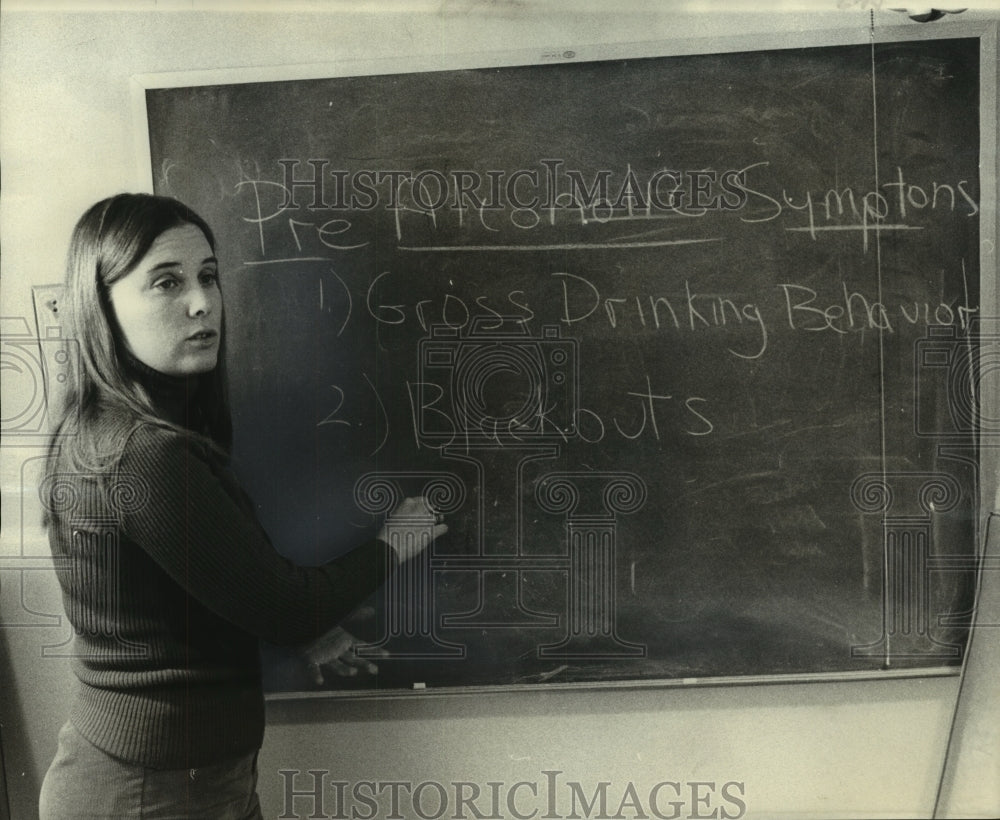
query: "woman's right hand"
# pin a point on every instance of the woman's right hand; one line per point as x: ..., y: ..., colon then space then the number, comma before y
x: 415, y: 524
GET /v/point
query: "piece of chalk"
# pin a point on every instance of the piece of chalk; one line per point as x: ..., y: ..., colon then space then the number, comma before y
x: 420, y: 686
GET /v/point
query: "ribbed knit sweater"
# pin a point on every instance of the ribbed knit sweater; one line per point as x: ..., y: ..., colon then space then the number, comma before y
x: 169, y: 582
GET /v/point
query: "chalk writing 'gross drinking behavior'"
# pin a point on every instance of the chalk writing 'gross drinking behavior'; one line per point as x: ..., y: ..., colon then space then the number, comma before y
x: 686, y: 308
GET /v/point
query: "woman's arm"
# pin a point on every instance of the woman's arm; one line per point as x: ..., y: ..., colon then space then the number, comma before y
x: 196, y: 531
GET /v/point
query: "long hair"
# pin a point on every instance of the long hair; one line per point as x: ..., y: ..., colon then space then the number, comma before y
x: 108, y: 242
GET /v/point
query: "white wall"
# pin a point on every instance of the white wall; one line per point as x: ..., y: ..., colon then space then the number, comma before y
x: 864, y: 749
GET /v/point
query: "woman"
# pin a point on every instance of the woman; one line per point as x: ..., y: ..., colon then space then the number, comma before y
x: 167, y: 577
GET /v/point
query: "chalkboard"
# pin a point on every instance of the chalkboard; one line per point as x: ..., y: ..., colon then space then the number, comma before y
x: 683, y: 346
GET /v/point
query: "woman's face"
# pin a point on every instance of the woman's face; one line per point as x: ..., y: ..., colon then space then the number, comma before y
x: 169, y: 307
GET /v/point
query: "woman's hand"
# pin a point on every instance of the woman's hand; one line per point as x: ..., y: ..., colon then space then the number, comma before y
x: 333, y: 654
x: 412, y: 522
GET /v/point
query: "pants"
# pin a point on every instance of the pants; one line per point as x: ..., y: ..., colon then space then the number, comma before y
x: 84, y: 782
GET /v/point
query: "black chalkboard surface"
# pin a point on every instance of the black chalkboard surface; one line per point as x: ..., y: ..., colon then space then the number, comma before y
x: 681, y: 345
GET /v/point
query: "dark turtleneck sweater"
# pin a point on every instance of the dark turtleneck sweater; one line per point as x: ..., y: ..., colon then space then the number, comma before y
x: 169, y: 582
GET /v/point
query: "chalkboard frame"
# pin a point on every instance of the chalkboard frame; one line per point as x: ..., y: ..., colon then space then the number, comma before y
x: 986, y: 33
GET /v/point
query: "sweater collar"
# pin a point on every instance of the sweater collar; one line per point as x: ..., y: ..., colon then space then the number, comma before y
x: 175, y: 398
